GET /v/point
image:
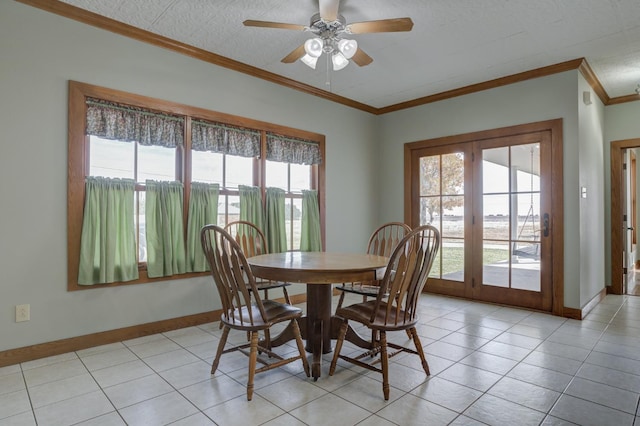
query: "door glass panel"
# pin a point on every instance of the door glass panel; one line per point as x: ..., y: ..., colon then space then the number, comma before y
x: 430, y: 175
x: 496, y: 217
x: 495, y: 263
x: 525, y: 266
x: 453, y: 220
x: 495, y: 170
x: 442, y: 205
x: 452, y: 259
x: 511, y: 217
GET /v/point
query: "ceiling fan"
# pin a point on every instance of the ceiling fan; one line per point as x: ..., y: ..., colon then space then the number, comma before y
x: 329, y: 27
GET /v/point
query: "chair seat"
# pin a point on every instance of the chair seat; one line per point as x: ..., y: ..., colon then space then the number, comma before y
x: 362, y: 312
x: 274, y: 312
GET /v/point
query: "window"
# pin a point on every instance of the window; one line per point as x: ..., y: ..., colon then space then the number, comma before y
x: 209, y: 147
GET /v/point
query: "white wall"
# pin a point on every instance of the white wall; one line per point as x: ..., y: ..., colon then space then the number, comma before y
x: 541, y: 99
x: 591, y: 177
x: 621, y: 122
x: 40, y: 52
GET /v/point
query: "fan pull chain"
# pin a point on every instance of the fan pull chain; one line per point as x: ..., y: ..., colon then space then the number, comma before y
x: 328, y: 82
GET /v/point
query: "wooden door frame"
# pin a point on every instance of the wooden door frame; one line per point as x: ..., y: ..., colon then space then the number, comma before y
x: 557, y: 188
x: 617, y: 174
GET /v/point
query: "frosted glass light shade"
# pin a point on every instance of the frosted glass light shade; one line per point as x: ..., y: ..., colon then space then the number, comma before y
x: 313, y: 47
x: 348, y: 47
x: 339, y: 61
x: 309, y: 61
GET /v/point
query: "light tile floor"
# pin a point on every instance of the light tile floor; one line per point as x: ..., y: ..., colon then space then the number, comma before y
x: 490, y: 365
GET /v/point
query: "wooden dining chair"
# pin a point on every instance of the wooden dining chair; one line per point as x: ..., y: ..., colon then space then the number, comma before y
x: 242, y: 307
x: 396, y: 305
x: 381, y: 243
x: 253, y: 243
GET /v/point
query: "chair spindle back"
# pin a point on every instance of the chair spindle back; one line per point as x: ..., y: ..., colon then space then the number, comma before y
x: 406, y: 276
x: 232, y: 275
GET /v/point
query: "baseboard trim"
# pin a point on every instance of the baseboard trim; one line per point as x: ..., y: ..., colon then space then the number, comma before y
x: 57, y: 347
x: 580, y: 314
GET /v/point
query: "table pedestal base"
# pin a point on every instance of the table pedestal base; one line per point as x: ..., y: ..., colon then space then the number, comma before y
x: 318, y: 327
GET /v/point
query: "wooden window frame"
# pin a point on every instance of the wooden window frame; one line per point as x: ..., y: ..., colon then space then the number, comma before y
x: 78, y: 165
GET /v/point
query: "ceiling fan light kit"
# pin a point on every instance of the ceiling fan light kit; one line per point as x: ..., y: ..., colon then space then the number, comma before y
x: 328, y: 27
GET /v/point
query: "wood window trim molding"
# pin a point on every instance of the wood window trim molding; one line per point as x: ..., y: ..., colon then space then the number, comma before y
x: 557, y: 209
x: 78, y: 165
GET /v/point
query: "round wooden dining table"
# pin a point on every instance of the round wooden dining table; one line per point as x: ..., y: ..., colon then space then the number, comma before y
x: 318, y: 270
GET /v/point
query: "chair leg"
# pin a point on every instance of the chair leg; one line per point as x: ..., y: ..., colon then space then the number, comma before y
x: 303, y: 353
x: 416, y: 341
x: 223, y: 341
x: 286, y: 295
x: 336, y: 351
x: 384, y: 358
x: 267, y: 339
x: 341, y: 299
x: 253, y: 356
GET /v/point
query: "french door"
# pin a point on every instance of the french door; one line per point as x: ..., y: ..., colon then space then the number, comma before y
x: 491, y: 199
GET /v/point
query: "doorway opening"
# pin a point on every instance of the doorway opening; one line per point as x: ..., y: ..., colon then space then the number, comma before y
x: 625, y: 276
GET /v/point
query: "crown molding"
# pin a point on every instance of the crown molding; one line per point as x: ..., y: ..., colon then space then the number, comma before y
x: 72, y: 12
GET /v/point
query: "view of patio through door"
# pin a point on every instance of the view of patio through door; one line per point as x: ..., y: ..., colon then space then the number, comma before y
x: 490, y: 199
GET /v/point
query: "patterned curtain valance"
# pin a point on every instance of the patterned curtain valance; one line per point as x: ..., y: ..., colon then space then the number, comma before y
x: 217, y: 137
x: 292, y: 150
x: 127, y: 123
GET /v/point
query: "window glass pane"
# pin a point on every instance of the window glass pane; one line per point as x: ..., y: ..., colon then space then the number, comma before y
x: 142, y: 236
x: 239, y: 171
x: 206, y: 167
x: 156, y: 163
x: 300, y: 177
x: 228, y: 209
x: 113, y: 159
x: 293, y: 222
x: 277, y: 175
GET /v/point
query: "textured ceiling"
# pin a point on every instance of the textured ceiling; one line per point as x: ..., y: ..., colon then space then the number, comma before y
x: 454, y: 43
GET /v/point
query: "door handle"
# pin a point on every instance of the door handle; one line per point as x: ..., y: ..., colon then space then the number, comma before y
x: 545, y: 225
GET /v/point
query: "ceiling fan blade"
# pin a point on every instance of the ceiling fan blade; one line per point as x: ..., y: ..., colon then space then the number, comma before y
x: 329, y: 9
x: 380, y: 26
x: 296, y: 54
x: 361, y: 58
x: 267, y: 24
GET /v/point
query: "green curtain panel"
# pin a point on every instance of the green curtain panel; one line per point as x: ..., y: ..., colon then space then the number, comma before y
x: 203, y: 210
x: 164, y: 229
x: 251, y: 205
x: 310, y: 238
x: 275, y: 228
x: 108, y: 240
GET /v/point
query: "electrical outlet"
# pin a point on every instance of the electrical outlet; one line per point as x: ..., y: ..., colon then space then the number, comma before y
x: 23, y: 313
